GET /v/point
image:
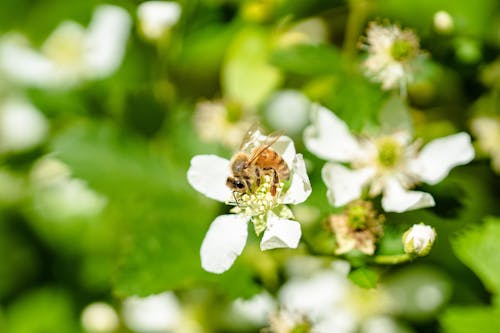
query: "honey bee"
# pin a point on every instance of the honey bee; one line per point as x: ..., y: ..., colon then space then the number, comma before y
x: 249, y: 169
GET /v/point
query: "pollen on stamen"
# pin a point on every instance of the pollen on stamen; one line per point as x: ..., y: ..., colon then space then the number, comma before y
x: 260, y: 201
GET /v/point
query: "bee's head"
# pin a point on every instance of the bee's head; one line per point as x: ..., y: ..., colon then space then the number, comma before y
x: 236, y: 184
x: 239, y: 163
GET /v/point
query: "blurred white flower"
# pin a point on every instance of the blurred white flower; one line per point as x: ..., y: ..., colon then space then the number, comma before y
x: 443, y: 22
x: 288, y: 110
x: 99, y: 317
x: 60, y: 197
x: 255, y: 310
x: 157, y: 17
x: 227, y: 234
x: 419, y: 239
x: 22, y: 125
x: 391, y: 52
x: 389, y: 164
x: 487, y: 131
x: 313, y: 31
x: 71, y: 54
x: 221, y: 121
x: 327, y: 301
x: 152, y: 314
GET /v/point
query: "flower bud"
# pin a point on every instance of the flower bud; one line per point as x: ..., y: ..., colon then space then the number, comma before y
x: 419, y: 239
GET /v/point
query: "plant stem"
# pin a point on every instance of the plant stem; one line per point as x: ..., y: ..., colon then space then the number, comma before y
x: 393, y: 259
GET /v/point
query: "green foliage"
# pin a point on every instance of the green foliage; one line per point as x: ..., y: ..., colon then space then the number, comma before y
x: 477, y: 249
x: 364, y: 277
x: 471, y: 319
x: 41, y: 311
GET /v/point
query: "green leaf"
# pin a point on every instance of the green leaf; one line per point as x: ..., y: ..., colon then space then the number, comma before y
x: 308, y: 60
x: 471, y: 319
x: 150, y: 200
x: 394, y: 116
x: 42, y: 310
x: 344, y: 98
x: 478, y: 249
x: 247, y: 76
x: 364, y: 277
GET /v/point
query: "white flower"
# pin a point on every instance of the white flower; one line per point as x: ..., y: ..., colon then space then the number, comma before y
x: 419, y: 239
x: 320, y: 299
x: 99, y: 317
x: 155, y: 313
x: 255, y: 310
x: 156, y: 17
x: 389, y: 164
x: 59, y: 197
x: 328, y: 301
x: 487, y: 131
x: 443, y: 22
x: 289, y: 110
x: 22, y: 126
x: 227, y: 234
x: 221, y: 121
x: 391, y: 52
x: 71, y: 54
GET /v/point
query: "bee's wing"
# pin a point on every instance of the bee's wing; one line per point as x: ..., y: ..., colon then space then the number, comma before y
x: 249, y: 140
x: 268, y: 142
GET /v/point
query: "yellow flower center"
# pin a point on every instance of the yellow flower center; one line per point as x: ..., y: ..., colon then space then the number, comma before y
x: 389, y: 152
x: 402, y: 49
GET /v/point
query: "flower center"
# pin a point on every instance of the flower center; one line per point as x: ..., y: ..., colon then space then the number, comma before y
x: 260, y: 201
x: 358, y: 216
x: 389, y: 152
x: 402, y: 49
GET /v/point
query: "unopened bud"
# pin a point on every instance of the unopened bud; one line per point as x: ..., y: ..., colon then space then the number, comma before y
x: 419, y: 239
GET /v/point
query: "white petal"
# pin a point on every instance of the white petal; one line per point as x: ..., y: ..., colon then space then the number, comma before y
x: 300, y: 187
x: 224, y: 242
x: 439, y: 156
x: 24, y: 65
x: 280, y: 233
x: 329, y: 137
x: 155, y: 313
x: 155, y: 17
x: 344, y: 185
x: 22, y: 126
x: 397, y: 199
x: 106, y: 40
x: 207, y: 174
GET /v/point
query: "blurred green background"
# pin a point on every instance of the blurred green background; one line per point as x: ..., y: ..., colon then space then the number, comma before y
x: 99, y: 209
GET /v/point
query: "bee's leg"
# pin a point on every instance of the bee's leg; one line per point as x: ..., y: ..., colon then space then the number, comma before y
x: 235, y: 199
x: 248, y: 183
x: 257, y: 175
x: 276, y: 181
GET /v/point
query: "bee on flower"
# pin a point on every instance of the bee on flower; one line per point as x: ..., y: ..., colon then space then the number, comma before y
x: 259, y: 181
x: 392, y: 52
x: 389, y: 164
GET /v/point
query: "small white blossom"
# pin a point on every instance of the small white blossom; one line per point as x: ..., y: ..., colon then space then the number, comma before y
x: 155, y: 313
x: 389, y: 165
x: 59, y: 197
x: 99, y: 317
x: 487, y: 131
x: 328, y: 301
x: 71, y: 54
x: 227, y: 234
x: 255, y: 310
x: 443, y: 22
x: 222, y: 122
x: 419, y: 239
x: 391, y: 51
x: 157, y: 17
x: 22, y: 125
